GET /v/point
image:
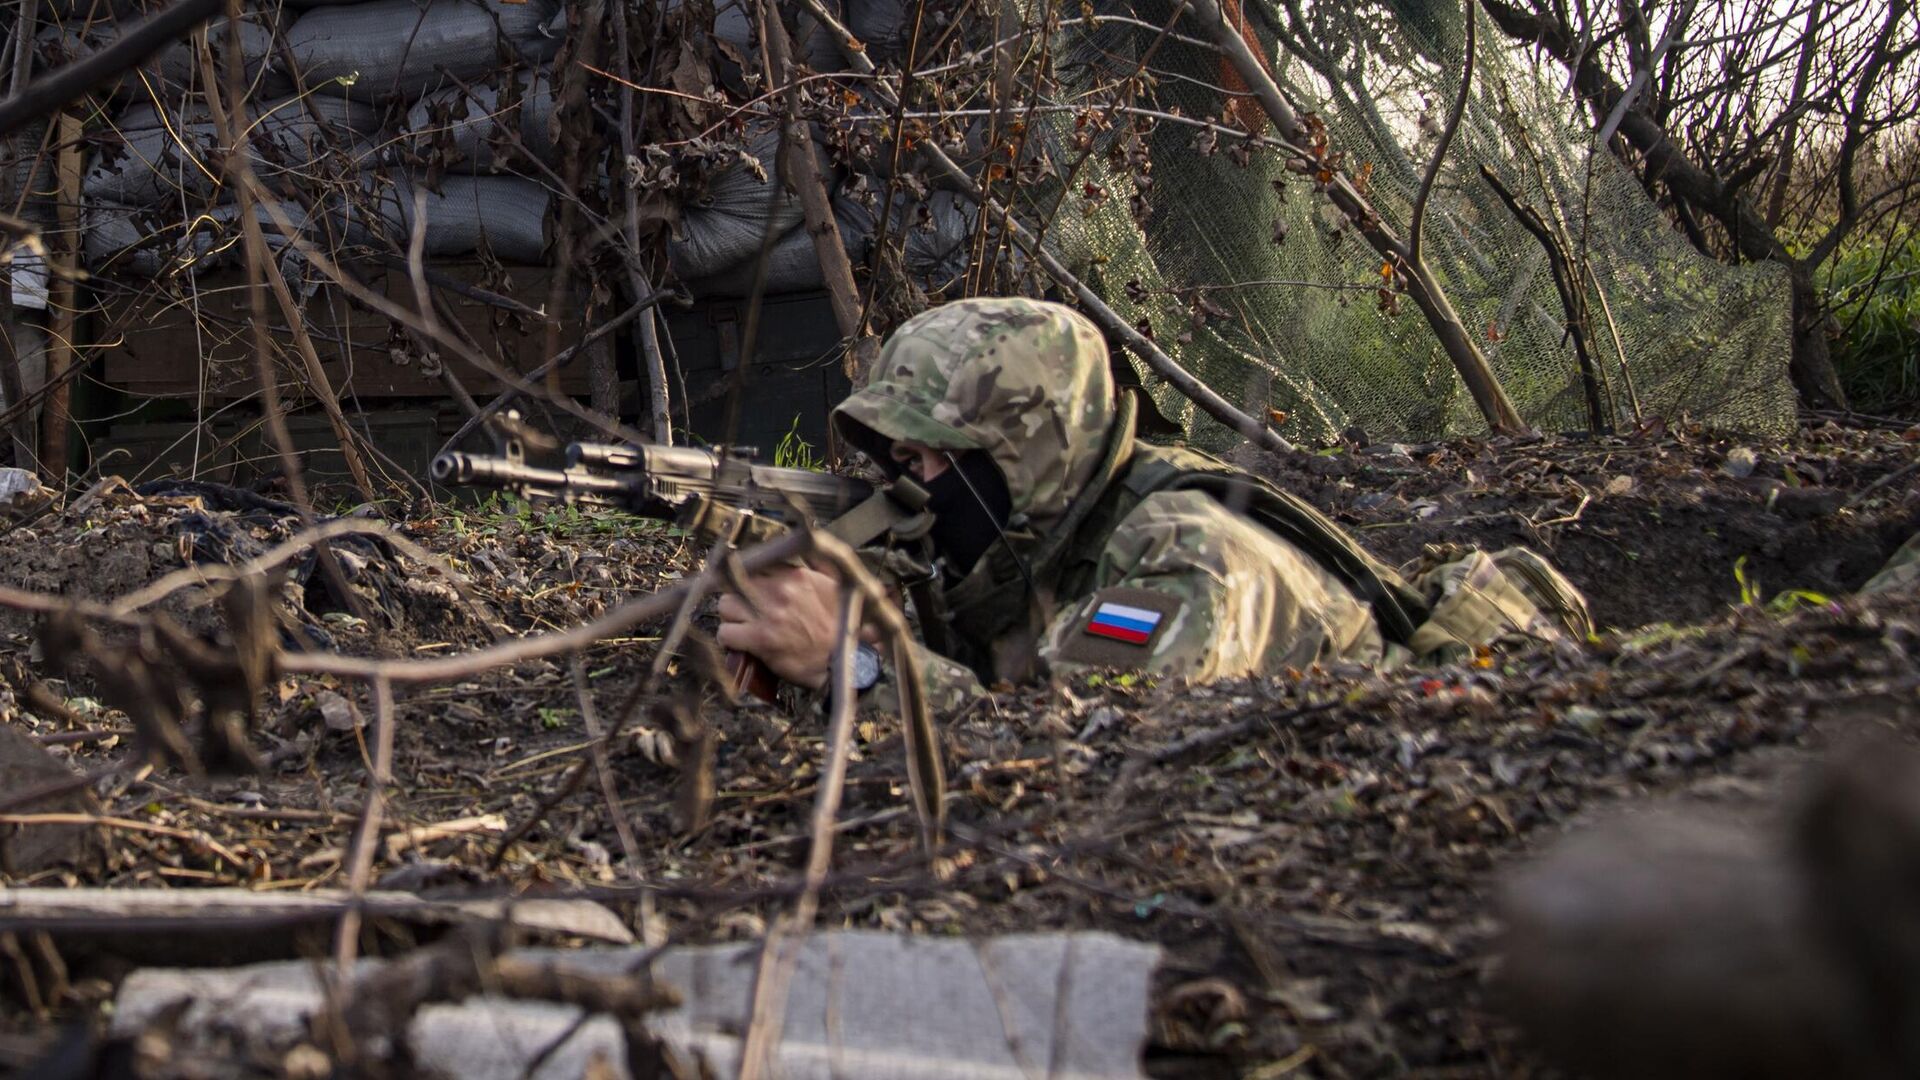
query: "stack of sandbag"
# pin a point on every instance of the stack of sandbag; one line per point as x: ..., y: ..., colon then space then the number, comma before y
x: 150, y: 159
x: 735, y: 36
x: 329, y: 91
x: 481, y: 129
x: 382, y: 117
x: 505, y: 215
x: 727, y: 210
x: 884, y: 26
x: 154, y: 200
x: 430, y: 63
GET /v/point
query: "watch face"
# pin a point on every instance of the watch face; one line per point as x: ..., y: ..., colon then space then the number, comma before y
x: 866, y: 667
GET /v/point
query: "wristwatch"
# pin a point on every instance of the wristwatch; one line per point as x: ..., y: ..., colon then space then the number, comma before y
x: 867, y: 667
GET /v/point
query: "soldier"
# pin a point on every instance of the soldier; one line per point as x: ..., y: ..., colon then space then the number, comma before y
x: 1068, y: 546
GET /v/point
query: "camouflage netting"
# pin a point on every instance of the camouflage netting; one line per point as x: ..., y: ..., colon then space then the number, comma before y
x: 1242, y: 271
x: 1303, y: 331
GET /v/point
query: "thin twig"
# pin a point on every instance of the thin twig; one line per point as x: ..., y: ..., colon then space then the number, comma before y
x: 240, y: 167
x: 609, y: 787
x: 658, y: 399
x: 624, y: 617
x: 1893, y: 477
x: 1109, y: 320
x: 1414, y: 225
x: 360, y: 872
x: 1427, y: 291
x: 808, y: 180
x: 134, y: 45
x: 386, y: 307
x: 65, y: 785
x: 506, y: 397
x: 1212, y: 737
x: 271, y: 559
x: 780, y: 952
x: 926, y: 778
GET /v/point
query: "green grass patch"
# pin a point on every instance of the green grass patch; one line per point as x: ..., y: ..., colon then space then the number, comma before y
x: 1875, y: 293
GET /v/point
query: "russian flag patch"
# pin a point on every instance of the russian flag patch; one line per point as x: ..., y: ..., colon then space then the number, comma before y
x: 1122, y: 622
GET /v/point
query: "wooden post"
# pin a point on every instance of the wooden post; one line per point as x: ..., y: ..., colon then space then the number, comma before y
x: 810, y: 184
x: 639, y: 280
x: 62, y: 264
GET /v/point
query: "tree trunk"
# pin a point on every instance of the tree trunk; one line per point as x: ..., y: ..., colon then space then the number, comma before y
x: 1811, y: 366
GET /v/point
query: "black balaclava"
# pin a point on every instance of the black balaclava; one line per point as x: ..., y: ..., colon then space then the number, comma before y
x: 967, y: 520
x: 970, y: 504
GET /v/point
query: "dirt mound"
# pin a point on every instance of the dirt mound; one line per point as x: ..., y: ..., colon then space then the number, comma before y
x: 500, y: 574
x: 1652, y: 528
x: 1316, y: 852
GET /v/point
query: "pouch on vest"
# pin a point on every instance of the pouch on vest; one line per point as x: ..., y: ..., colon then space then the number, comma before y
x: 1477, y: 599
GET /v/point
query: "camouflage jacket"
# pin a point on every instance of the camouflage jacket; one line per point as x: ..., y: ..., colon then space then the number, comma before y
x: 1182, y: 585
x: 1902, y: 571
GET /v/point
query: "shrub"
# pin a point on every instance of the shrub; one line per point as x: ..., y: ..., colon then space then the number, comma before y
x: 1875, y: 293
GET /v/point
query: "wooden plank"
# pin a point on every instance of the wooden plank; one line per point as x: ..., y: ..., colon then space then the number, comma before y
x: 57, y: 416
x: 214, y: 911
x: 158, y: 342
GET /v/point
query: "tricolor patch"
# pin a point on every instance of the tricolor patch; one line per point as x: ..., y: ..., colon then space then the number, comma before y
x: 1119, y: 627
x: 1122, y: 622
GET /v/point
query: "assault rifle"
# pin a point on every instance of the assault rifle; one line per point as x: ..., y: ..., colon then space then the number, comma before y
x: 719, y: 497
x: 681, y: 484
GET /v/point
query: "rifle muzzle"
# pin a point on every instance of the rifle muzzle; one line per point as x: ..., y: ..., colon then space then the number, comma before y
x: 453, y: 468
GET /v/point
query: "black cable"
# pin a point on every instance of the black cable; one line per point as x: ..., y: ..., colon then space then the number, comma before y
x: 1018, y: 563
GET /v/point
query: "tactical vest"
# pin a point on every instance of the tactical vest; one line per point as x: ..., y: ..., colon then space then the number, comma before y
x: 1397, y: 609
x: 1460, y: 599
x: 993, y: 604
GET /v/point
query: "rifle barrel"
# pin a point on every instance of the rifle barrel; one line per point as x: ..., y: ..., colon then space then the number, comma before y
x: 476, y: 470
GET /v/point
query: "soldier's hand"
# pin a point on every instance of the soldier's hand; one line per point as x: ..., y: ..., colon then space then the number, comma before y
x: 791, y: 624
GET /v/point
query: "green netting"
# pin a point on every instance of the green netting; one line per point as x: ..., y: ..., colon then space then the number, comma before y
x: 1305, y: 334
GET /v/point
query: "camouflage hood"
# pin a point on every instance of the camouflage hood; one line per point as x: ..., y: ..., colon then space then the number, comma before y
x: 1024, y: 380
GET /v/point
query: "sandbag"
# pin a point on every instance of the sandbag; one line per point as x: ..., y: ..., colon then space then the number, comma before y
x: 735, y: 22
x: 399, y: 47
x: 792, y: 264
x: 883, y: 26
x: 33, y: 176
x: 934, y: 231
x: 458, y: 131
x: 935, y: 234
x: 139, y: 242
x: 727, y: 216
x: 176, y: 65
x: 506, y: 215
x: 150, y: 168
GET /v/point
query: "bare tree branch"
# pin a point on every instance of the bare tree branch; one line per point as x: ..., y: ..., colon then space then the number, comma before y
x: 1419, y: 216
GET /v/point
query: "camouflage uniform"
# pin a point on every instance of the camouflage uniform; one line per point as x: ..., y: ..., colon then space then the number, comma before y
x: 1901, y: 572
x: 1182, y: 585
